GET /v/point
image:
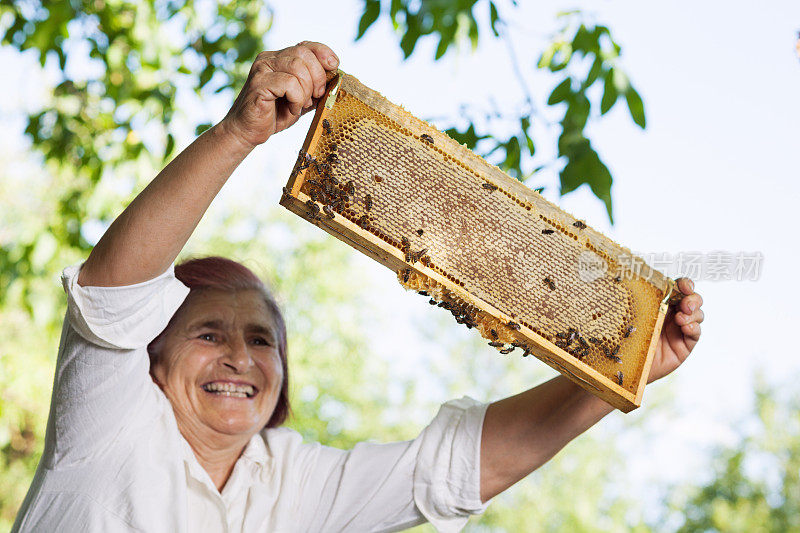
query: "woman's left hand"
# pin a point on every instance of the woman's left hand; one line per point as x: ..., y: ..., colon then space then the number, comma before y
x: 680, y: 333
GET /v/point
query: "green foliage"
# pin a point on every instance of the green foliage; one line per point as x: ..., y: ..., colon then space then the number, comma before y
x: 579, y: 45
x: 448, y: 20
x: 93, y: 127
x: 579, y: 56
x: 755, y: 485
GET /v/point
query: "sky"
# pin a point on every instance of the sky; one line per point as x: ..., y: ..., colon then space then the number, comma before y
x: 715, y: 170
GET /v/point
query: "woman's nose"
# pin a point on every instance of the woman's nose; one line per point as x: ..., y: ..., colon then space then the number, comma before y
x: 238, y: 357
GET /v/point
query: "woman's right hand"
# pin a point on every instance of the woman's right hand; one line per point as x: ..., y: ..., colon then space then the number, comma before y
x: 281, y: 87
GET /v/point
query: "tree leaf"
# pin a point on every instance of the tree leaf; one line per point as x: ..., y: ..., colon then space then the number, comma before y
x: 561, y: 92
x: 594, y: 72
x: 610, y: 93
x: 170, y: 145
x: 494, y: 18
x: 372, y: 9
x: 635, y: 106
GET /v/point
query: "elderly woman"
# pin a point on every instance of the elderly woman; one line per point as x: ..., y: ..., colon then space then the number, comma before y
x: 171, y: 383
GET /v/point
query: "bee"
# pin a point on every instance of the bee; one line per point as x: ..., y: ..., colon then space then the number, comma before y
x: 507, y: 351
x: 363, y: 222
x: 616, y: 359
x: 493, y: 332
x: 313, y: 209
x: 368, y: 202
x: 329, y: 212
x: 421, y: 293
x: 561, y: 344
x: 495, y: 344
x: 513, y: 325
x: 314, y: 195
x: 332, y: 158
x: 579, y: 224
x: 351, y: 188
x: 594, y: 340
x: 583, y: 343
x: 606, y: 352
x: 550, y: 283
x: 419, y: 232
x: 334, y: 146
x: 432, y: 301
x: 615, y: 351
x: 516, y: 344
x: 406, y: 274
x: 548, y: 231
x: 583, y: 353
x: 326, y: 125
x: 427, y: 138
x: 489, y: 186
x: 417, y: 255
x: 619, y: 377
x: 628, y: 331
x: 571, y: 334
x: 527, y: 352
x: 405, y: 244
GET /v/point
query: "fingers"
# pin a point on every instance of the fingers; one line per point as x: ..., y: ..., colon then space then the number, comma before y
x: 324, y: 54
x: 281, y: 84
x: 691, y: 331
x: 682, y: 318
x: 690, y: 303
x: 306, y: 61
x: 685, y: 285
x: 300, y: 69
x: 316, y: 67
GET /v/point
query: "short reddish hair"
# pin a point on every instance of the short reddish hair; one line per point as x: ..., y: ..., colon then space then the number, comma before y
x: 225, y: 274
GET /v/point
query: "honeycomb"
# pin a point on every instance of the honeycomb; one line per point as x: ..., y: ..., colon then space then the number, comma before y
x: 505, y: 256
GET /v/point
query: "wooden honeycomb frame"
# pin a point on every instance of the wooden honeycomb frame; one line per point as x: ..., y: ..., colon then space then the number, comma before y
x: 474, y: 309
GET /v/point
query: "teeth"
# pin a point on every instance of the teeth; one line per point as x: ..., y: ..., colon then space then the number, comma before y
x: 229, y: 389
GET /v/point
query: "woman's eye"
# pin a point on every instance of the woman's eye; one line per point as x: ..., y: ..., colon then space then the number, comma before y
x: 261, y: 341
x: 207, y: 337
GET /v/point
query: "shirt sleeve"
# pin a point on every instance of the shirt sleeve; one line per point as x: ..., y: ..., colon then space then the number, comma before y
x: 102, y: 384
x: 390, y: 487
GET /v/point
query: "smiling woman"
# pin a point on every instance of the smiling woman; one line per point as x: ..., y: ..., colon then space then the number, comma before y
x: 171, y: 383
x: 215, y: 283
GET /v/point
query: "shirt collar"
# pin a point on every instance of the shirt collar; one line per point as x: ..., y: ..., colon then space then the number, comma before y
x: 255, y: 453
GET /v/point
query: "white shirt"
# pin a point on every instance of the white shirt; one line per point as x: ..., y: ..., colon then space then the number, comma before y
x: 114, y: 459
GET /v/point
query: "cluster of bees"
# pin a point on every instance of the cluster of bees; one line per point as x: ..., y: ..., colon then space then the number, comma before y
x: 507, y: 349
x: 326, y: 189
x: 463, y: 312
x: 573, y: 343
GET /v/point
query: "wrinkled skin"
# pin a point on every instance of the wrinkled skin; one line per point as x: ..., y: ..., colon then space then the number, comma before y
x: 222, y: 337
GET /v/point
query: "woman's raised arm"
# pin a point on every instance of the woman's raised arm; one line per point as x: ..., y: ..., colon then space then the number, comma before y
x: 150, y: 233
x: 523, y: 432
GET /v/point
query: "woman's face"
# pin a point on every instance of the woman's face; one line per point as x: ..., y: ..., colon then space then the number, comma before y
x: 219, y: 364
